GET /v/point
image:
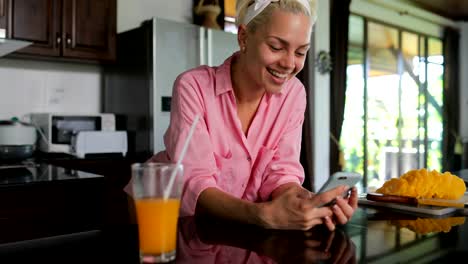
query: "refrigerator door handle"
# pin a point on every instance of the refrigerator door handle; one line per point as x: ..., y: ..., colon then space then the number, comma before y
x: 209, y: 36
x: 201, y: 45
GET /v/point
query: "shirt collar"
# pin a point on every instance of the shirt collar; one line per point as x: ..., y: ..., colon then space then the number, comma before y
x: 223, y: 76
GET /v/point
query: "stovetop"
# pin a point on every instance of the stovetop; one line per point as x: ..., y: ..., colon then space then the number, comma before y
x: 31, y: 172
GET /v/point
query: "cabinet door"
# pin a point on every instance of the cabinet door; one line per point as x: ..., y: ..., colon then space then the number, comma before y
x: 89, y: 29
x: 36, y: 21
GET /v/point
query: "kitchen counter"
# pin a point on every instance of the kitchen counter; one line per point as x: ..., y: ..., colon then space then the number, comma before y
x: 371, y: 237
x: 75, y: 219
x: 39, y: 200
x: 115, y: 169
x: 36, y: 173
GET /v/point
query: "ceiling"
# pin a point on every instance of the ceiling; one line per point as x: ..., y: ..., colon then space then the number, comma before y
x: 452, y: 9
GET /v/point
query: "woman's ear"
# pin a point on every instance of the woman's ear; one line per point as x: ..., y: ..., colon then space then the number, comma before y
x: 242, y: 37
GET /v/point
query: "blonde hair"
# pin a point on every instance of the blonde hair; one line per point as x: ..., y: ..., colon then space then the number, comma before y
x: 293, y: 6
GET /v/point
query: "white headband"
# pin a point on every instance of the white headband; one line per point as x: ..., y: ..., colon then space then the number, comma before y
x: 259, y: 5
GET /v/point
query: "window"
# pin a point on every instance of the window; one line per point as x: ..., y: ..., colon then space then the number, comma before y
x: 393, y: 110
x: 230, y: 16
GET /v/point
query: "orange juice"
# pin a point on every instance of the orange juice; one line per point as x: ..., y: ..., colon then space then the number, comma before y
x: 157, y: 224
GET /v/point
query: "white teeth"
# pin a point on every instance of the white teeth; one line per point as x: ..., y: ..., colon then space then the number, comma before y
x: 277, y: 74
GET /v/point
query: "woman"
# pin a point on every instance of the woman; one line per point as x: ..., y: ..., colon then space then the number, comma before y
x: 243, y: 159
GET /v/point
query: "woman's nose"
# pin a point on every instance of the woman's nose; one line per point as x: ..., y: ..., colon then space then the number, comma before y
x: 287, y: 61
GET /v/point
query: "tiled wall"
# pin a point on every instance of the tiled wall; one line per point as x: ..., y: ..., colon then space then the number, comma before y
x: 42, y: 86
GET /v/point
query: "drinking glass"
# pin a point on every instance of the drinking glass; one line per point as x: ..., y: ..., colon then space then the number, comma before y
x: 157, y: 202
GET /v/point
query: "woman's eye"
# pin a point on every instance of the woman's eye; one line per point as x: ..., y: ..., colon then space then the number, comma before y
x: 300, y: 54
x: 275, y: 48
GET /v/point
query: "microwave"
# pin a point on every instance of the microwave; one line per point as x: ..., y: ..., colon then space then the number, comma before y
x: 58, y: 129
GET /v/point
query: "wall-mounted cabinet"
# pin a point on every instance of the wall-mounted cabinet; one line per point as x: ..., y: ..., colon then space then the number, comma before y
x: 79, y: 29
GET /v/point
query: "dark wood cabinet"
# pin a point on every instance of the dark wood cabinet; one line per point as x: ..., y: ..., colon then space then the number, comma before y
x: 36, y: 21
x: 81, y: 29
x: 90, y: 28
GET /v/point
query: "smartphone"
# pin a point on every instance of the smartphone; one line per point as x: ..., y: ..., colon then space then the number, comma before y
x: 340, y: 178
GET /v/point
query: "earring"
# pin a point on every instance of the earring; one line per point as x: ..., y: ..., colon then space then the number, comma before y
x: 243, y: 49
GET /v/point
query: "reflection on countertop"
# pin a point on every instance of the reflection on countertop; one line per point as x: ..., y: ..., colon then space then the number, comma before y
x: 211, y: 240
x: 30, y: 172
x: 429, y: 225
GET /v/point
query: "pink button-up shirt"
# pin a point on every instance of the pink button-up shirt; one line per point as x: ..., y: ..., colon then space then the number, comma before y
x: 220, y: 155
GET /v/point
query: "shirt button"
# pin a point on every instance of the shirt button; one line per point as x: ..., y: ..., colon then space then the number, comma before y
x: 249, y: 158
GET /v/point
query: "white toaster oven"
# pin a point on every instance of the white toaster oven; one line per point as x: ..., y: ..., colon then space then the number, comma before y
x: 58, y: 129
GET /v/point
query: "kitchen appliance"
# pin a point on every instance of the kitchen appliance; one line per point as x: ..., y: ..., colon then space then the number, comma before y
x: 138, y: 88
x: 57, y: 129
x: 17, y: 140
x: 10, y: 45
x: 99, y: 142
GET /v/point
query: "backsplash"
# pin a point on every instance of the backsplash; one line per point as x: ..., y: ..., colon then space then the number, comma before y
x: 41, y: 86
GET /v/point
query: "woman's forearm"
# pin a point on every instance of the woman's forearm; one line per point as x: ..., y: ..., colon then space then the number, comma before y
x: 215, y: 202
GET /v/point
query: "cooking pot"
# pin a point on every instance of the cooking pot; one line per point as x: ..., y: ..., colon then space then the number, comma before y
x: 17, y: 140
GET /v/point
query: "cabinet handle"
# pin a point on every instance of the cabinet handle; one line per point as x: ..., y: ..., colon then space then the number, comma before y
x: 69, y: 41
x: 59, y: 39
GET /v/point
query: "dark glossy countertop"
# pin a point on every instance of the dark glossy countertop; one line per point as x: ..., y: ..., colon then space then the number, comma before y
x: 217, y: 241
x: 34, y: 173
x: 76, y: 219
x: 371, y: 237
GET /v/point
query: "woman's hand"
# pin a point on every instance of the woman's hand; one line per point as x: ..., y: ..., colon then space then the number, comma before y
x: 344, y: 209
x: 294, y: 207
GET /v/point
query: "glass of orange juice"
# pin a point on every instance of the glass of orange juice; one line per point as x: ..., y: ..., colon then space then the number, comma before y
x: 156, y: 191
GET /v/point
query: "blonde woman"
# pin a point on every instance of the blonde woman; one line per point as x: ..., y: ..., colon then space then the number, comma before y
x: 243, y: 161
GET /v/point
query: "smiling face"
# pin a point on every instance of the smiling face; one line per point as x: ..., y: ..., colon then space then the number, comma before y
x: 276, y: 52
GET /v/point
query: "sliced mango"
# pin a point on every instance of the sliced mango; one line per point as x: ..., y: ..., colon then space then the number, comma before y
x: 425, y: 184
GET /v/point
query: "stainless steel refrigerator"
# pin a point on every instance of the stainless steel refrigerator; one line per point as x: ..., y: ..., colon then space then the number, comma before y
x: 138, y: 87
